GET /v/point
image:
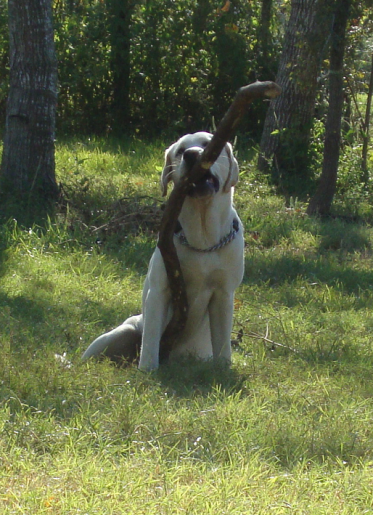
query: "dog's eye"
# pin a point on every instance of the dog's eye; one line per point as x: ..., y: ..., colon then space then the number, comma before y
x: 180, y: 151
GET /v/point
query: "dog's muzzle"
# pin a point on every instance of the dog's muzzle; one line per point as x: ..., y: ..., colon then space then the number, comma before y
x: 208, y: 184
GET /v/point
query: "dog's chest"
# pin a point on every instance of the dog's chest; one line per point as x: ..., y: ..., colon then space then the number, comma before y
x: 208, y: 271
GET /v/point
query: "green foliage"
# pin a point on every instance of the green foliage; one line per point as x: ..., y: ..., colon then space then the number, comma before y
x: 288, y: 427
x: 82, y: 46
x: 146, y: 67
x: 169, y: 67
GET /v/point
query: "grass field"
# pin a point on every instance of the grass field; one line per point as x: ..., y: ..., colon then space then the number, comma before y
x: 288, y: 430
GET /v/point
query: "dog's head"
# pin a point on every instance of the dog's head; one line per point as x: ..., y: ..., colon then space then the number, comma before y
x: 182, y: 155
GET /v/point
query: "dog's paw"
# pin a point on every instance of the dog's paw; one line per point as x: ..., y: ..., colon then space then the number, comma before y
x: 148, y: 365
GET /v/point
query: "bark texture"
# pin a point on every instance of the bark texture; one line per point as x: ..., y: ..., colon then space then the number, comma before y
x: 290, y: 115
x: 120, y: 61
x: 322, y: 200
x: 28, y: 164
x: 366, y: 137
x: 264, y: 29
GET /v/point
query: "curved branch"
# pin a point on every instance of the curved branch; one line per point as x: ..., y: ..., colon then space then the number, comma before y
x: 224, y: 132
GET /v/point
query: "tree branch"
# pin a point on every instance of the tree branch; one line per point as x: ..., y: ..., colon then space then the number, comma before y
x: 224, y: 132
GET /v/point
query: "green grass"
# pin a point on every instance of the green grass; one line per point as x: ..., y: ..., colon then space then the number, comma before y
x: 288, y: 429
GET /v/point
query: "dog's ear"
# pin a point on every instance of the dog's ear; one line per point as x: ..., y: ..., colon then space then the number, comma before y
x: 166, y: 176
x: 233, y: 169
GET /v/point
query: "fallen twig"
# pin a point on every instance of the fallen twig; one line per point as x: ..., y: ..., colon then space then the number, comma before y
x: 265, y: 339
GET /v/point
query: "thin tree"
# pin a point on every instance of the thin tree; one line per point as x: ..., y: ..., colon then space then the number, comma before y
x: 28, y: 163
x: 322, y: 200
x: 120, y: 15
x: 366, y: 126
x: 264, y: 29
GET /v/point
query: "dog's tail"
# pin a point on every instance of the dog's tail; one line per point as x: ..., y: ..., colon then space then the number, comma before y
x: 121, y: 345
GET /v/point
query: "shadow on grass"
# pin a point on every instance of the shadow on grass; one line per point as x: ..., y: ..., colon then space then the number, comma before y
x: 274, y: 270
x: 188, y: 377
x: 38, y: 323
x: 27, y: 210
x: 331, y: 263
x: 341, y: 234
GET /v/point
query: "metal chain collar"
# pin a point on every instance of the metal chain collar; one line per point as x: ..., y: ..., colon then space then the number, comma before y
x: 222, y: 243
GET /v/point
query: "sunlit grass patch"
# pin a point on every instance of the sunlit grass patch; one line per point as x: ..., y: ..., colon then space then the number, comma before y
x: 286, y: 429
x: 106, y: 173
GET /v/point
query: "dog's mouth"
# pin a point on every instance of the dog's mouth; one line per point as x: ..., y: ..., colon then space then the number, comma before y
x: 206, y: 186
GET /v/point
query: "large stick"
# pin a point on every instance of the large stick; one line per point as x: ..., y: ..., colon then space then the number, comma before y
x: 225, y: 131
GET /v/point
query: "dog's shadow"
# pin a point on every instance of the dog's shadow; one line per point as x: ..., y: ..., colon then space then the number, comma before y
x: 187, y: 377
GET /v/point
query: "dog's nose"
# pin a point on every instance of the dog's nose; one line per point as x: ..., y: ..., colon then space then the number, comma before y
x: 191, y: 156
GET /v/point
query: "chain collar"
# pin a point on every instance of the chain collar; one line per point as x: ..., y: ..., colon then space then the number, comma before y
x: 222, y: 243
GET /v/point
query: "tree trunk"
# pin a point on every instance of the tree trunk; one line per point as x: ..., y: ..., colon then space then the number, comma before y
x: 152, y: 66
x: 264, y: 29
x: 322, y: 200
x: 120, y: 60
x: 286, y: 133
x: 366, y: 137
x: 28, y: 165
x: 201, y: 12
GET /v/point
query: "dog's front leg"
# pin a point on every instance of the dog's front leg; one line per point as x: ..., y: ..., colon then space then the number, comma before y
x: 221, y: 315
x: 155, y: 302
x: 155, y: 315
